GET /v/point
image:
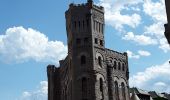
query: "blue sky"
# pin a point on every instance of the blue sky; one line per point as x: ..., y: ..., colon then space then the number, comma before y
x: 33, y: 35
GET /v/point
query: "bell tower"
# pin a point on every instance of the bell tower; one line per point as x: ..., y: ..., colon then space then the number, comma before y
x: 90, y: 71
x: 85, y: 37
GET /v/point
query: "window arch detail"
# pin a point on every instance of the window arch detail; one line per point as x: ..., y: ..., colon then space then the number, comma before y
x: 99, y: 59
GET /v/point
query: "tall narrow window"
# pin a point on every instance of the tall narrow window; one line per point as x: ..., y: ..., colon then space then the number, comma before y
x: 123, y: 67
x: 94, y: 25
x: 83, y: 24
x: 83, y: 60
x: 99, y: 61
x: 96, y: 41
x: 79, y: 25
x: 101, y: 88
x: 123, y: 91
x: 99, y: 27
x: 119, y: 66
x: 102, y: 28
x: 115, y: 64
x: 75, y: 24
x: 116, y: 90
x: 84, y: 87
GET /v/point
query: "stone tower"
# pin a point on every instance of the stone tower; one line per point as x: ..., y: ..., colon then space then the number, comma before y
x: 167, y: 26
x: 90, y: 71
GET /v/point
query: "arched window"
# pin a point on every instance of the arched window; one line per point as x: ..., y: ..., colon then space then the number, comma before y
x: 94, y: 25
x: 116, y: 90
x: 83, y: 24
x: 79, y: 25
x: 101, y: 85
x: 115, y: 64
x: 84, y: 87
x: 83, y: 60
x: 119, y: 66
x: 123, y: 91
x: 75, y: 24
x: 100, y: 61
x: 101, y: 88
x: 123, y: 67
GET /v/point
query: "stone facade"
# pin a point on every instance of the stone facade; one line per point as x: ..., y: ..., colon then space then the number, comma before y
x: 90, y: 71
x: 167, y: 26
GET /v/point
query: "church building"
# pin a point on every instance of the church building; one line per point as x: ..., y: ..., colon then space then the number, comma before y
x: 90, y: 71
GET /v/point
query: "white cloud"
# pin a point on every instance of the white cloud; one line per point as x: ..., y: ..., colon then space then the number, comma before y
x: 19, y: 44
x: 153, y: 34
x: 141, y: 53
x: 140, y: 39
x: 160, y: 84
x: 156, y: 11
x: 39, y: 94
x: 156, y: 30
x: 113, y: 14
x: 164, y: 45
x: 132, y: 55
x: 144, y: 53
x: 152, y: 77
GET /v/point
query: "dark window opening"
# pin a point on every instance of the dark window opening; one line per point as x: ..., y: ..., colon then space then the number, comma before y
x: 75, y: 24
x: 123, y: 91
x: 101, y: 85
x: 78, y: 41
x: 94, y: 25
x: 101, y: 42
x: 84, y: 87
x: 79, y: 24
x: 86, y: 40
x: 96, y: 41
x: 102, y: 29
x: 83, y: 60
x: 115, y: 64
x: 116, y: 90
x: 99, y: 61
x: 99, y: 27
x: 119, y: 66
x: 101, y: 88
x: 83, y: 24
x: 123, y: 67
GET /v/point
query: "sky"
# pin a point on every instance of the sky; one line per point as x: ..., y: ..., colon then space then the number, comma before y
x: 33, y: 35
